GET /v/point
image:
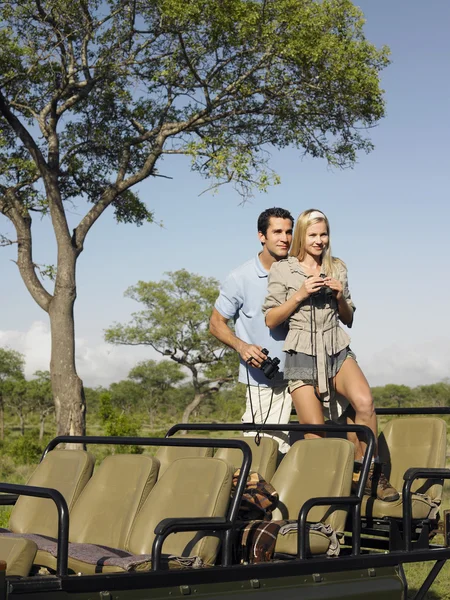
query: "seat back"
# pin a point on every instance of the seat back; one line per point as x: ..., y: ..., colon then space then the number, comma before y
x: 105, y: 510
x: 67, y: 471
x: 314, y: 468
x: 167, y: 454
x: 190, y: 487
x: 18, y: 553
x: 264, y: 455
x: 414, y: 442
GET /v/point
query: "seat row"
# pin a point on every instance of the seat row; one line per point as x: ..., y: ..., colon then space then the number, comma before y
x: 115, y: 510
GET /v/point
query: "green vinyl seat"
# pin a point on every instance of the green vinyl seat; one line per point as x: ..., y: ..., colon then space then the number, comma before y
x: 67, y: 471
x: 190, y: 487
x: 264, y: 455
x: 18, y: 553
x: 105, y: 510
x: 406, y: 443
x: 313, y: 468
x: 167, y: 454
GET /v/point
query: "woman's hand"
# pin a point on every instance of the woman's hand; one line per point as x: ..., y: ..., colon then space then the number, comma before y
x: 336, y: 286
x: 310, y: 286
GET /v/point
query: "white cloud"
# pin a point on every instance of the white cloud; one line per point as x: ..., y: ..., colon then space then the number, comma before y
x: 97, y: 363
x: 421, y: 364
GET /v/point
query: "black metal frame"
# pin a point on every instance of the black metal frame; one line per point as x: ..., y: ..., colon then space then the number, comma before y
x: 295, y: 567
x: 353, y: 502
x: 403, y: 539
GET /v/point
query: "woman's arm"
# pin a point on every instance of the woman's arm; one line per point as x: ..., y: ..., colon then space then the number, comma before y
x: 278, y: 314
x: 345, y: 306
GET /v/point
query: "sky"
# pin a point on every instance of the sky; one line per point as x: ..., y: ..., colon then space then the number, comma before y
x: 389, y: 218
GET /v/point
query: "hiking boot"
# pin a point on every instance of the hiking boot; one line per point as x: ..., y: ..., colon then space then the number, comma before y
x: 378, y: 485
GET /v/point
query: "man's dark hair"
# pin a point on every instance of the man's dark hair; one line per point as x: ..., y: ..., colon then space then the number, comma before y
x: 278, y: 213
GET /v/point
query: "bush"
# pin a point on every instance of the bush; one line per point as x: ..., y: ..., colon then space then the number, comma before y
x: 24, y: 450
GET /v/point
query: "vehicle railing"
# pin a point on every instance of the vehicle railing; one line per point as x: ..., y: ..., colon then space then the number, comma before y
x: 330, y: 428
x: 429, y: 410
x: 63, y: 517
x: 166, y: 526
x: 409, y: 477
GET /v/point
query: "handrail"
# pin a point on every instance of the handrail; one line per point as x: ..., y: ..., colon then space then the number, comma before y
x: 429, y: 410
x: 63, y: 517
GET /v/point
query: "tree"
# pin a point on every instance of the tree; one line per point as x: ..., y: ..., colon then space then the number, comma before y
x: 175, y: 323
x: 41, y: 398
x: 436, y: 394
x: 155, y: 379
x: 11, y: 367
x: 94, y: 94
x: 393, y: 395
x: 125, y: 395
x: 17, y: 399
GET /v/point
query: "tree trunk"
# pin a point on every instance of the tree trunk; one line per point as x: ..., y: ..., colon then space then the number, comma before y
x: 22, y: 423
x: 191, y: 407
x: 67, y: 387
x: 41, y: 427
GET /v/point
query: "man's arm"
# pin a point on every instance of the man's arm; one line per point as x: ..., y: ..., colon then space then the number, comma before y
x: 218, y: 327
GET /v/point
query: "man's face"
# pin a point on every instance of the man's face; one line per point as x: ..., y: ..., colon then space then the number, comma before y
x: 278, y: 238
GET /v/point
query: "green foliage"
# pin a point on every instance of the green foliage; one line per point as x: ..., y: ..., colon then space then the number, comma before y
x: 11, y: 364
x: 116, y: 423
x: 175, y: 323
x: 25, y: 449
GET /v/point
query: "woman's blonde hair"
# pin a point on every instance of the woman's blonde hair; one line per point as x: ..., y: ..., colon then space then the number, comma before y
x: 306, y: 219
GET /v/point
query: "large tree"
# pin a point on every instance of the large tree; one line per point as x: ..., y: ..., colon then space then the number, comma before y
x: 94, y: 93
x: 155, y: 379
x: 175, y: 323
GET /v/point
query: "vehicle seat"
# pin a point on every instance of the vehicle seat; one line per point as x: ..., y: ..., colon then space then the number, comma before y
x: 403, y: 444
x: 190, y: 487
x: 313, y: 468
x: 67, y: 471
x: 18, y: 553
x: 264, y: 455
x: 167, y: 454
x: 104, y: 512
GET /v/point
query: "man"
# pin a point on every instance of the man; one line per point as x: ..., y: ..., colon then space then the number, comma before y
x: 241, y: 297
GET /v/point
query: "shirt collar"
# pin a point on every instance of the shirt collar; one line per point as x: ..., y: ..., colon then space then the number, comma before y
x: 260, y: 270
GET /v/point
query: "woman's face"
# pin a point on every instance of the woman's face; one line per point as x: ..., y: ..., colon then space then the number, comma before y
x: 316, y: 239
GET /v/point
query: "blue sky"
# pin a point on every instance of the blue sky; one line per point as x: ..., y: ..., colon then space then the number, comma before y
x: 389, y: 222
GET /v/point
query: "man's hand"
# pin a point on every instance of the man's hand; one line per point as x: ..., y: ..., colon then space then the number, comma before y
x: 251, y: 354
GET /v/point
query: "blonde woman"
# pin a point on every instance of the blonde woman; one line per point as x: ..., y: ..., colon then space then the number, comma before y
x: 309, y: 290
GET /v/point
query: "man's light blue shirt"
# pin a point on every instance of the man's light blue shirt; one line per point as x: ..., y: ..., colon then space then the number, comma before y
x: 241, y: 297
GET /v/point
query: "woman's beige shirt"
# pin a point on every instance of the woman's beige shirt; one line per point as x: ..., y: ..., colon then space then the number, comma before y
x: 285, y: 279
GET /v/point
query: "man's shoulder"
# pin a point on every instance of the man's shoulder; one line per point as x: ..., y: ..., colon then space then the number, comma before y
x: 246, y: 268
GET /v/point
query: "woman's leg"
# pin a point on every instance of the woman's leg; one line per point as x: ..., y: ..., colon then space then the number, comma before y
x: 308, y: 408
x: 351, y: 383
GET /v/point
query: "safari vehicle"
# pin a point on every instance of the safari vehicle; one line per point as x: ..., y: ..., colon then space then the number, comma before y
x: 145, y: 527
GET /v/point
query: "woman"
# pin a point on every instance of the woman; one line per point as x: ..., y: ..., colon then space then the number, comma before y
x: 309, y: 289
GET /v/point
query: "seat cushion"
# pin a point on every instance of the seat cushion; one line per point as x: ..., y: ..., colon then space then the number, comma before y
x: 287, y: 543
x: 373, y: 508
x: 18, y: 553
